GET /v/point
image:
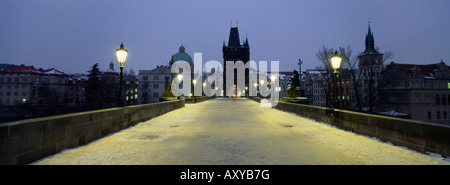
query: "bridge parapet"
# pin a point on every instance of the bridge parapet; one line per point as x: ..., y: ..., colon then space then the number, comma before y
x: 25, y: 141
x: 416, y: 135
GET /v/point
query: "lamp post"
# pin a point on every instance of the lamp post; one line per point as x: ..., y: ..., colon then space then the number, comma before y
x: 336, y: 64
x: 121, y: 57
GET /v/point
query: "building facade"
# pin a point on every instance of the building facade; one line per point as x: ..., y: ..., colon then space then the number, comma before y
x: 152, y: 82
x: 27, y: 84
x: 418, y: 92
x: 315, y: 86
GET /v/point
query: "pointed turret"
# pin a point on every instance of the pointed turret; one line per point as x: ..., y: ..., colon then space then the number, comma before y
x: 246, y: 42
x: 370, y: 43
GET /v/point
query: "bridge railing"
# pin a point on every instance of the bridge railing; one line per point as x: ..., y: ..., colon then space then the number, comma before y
x: 25, y: 141
x: 416, y: 135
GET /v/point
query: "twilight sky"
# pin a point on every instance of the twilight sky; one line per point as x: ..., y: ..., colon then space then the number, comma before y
x: 72, y: 35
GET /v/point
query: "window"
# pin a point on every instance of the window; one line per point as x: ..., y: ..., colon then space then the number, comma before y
x: 429, y: 115
x: 444, y: 115
x: 417, y: 98
x: 156, y: 86
x: 444, y: 100
x: 393, y: 99
x: 427, y: 99
x: 438, y: 115
x: 448, y: 99
x: 155, y: 77
x: 437, y: 99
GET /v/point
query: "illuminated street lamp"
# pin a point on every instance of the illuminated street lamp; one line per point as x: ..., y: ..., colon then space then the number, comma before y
x: 121, y: 57
x: 273, y: 78
x: 336, y: 64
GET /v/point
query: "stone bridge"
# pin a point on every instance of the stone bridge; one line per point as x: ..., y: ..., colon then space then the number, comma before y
x: 220, y: 131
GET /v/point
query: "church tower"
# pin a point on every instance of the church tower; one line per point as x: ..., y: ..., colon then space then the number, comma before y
x: 234, y: 51
x: 370, y: 65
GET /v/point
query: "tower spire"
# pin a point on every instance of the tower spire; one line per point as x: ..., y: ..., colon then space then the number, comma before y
x: 370, y: 42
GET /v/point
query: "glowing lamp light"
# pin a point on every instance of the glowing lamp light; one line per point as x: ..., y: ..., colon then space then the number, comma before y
x: 336, y: 62
x: 121, y: 55
x: 273, y: 78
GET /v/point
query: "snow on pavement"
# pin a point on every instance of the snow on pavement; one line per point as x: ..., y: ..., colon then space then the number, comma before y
x: 236, y: 131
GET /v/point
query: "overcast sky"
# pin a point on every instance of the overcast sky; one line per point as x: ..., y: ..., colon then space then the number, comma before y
x: 72, y: 35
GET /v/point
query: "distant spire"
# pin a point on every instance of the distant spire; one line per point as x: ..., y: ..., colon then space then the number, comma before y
x: 246, y: 42
x: 370, y: 42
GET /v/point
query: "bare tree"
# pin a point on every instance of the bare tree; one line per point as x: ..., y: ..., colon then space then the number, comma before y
x: 351, y: 62
x: 324, y: 56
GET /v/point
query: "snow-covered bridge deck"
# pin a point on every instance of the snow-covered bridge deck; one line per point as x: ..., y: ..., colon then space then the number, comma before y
x: 236, y: 131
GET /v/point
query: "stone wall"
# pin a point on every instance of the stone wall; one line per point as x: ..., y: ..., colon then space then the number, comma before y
x: 417, y: 135
x: 198, y: 99
x: 26, y: 141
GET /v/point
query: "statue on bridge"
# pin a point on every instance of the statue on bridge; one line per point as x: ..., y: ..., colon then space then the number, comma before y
x: 295, y: 93
x: 167, y: 95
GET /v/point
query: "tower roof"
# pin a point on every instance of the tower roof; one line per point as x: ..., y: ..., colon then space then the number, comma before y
x: 370, y: 44
x: 233, y: 40
x: 182, y: 55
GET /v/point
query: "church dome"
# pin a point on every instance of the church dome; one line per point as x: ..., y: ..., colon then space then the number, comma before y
x: 182, y: 55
